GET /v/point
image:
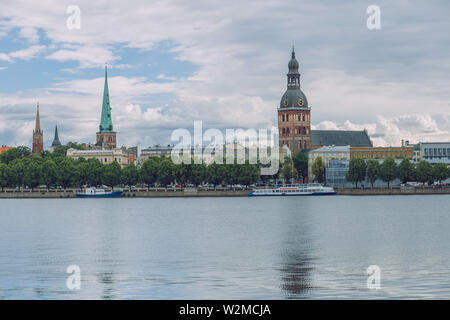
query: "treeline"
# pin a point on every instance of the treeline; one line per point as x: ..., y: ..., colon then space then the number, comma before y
x: 19, y: 168
x: 371, y: 170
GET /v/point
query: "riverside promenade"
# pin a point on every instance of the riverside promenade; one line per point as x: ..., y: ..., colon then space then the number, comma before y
x: 203, y: 192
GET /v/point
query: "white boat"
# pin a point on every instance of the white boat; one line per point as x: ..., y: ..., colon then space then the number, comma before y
x: 313, y: 189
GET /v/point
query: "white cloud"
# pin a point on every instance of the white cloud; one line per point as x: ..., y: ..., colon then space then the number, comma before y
x: 28, y: 53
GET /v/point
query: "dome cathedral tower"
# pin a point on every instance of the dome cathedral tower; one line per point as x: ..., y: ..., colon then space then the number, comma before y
x: 294, y: 121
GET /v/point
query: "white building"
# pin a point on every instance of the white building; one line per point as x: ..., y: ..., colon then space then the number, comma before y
x: 104, y: 156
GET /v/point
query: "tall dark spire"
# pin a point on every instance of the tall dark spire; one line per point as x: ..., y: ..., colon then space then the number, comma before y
x: 293, y: 76
x: 56, y: 141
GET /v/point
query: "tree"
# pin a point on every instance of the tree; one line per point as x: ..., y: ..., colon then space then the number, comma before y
x: 198, y: 173
x: 17, y: 172
x: 373, y: 171
x: 356, y: 171
x: 301, y: 164
x: 424, y: 172
x: 440, y: 172
x: 318, y: 170
x: 166, y: 171
x: 14, y: 153
x: 49, y: 173
x: 406, y: 171
x: 32, y: 171
x: 248, y: 173
x: 130, y: 175
x: 94, y: 172
x: 112, y: 174
x: 288, y: 171
x: 388, y: 170
x: 66, y: 172
x: 4, y: 175
x: 215, y: 173
x: 149, y: 171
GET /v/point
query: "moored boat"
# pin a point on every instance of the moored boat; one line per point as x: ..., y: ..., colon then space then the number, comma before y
x: 98, y: 193
x: 313, y: 189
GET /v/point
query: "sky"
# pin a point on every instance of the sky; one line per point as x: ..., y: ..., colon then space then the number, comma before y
x: 171, y: 63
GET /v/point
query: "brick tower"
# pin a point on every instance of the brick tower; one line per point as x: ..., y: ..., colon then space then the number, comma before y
x: 294, y: 113
x: 38, y: 135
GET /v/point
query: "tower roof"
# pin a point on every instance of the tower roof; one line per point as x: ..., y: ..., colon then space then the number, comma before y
x: 56, y: 141
x: 38, y: 120
x: 293, y: 96
x: 106, y: 121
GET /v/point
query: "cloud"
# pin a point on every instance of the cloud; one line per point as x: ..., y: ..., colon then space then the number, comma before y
x: 28, y: 53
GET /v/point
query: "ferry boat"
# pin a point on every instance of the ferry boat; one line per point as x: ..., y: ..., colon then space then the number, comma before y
x: 98, y: 193
x: 313, y: 189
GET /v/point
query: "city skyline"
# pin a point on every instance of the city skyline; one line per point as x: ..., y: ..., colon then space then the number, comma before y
x: 166, y: 79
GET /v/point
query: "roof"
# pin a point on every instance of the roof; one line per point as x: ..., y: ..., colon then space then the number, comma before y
x: 340, y: 138
x: 332, y: 149
x: 3, y: 149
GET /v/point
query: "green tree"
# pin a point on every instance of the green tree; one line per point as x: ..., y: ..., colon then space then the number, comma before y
x: 166, y: 171
x: 112, y: 174
x: 440, y: 172
x: 249, y: 173
x: 301, y: 164
x: 288, y: 171
x: 4, y: 175
x: 215, y: 173
x: 94, y: 172
x: 373, y: 171
x: 198, y: 173
x: 149, y: 171
x: 32, y: 171
x: 406, y: 171
x: 17, y: 172
x: 66, y: 172
x: 49, y: 173
x: 318, y: 170
x: 388, y: 171
x: 356, y: 171
x: 14, y: 153
x: 130, y: 175
x: 424, y: 172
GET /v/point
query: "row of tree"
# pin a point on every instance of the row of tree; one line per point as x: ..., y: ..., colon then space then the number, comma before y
x: 19, y: 168
x: 371, y: 170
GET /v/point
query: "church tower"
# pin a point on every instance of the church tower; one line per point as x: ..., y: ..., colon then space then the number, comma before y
x: 38, y: 135
x: 106, y: 136
x: 56, y: 142
x: 294, y: 113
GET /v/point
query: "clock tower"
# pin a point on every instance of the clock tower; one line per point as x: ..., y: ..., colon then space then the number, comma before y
x: 294, y: 113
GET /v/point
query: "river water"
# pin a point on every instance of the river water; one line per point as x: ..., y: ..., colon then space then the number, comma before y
x: 226, y: 248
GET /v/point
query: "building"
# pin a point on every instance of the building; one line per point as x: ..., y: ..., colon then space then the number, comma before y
x: 435, y: 152
x: 320, y: 138
x: 294, y: 113
x: 106, y: 136
x: 56, y: 142
x: 294, y: 121
x: 327, y: 154
x: 417, y: 155
x: 38, y: 135
x: 336, y: 171
x: 156, y: 151
x: 105, y: 156
x: 382, y: 152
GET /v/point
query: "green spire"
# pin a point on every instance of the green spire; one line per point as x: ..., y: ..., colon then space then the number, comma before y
x: 106, y: 122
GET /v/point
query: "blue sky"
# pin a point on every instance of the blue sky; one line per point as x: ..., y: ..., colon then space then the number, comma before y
x: 174, y: 62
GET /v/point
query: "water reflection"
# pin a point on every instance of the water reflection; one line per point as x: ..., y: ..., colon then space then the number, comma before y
x: 296, y: 275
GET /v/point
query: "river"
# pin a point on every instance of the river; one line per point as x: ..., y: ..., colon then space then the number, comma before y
x: 226, y: 248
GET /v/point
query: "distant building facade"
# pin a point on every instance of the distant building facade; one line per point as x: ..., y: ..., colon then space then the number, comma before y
x: 105, y: 156
x: 106, y: 136
x: 435, y: 152
x: 382, y: 152
x: 38, y: 135
x: 327, y: 154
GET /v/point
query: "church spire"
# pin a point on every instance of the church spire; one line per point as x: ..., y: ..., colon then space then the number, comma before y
x: 38, y: 120
x: 106, y: 121
x: 56, y: 141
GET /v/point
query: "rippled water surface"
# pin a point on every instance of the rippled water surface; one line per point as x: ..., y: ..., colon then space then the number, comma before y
x: 226, y: 248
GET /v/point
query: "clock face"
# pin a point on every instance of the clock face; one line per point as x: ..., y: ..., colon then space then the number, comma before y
x: 285, y: 102
x: 300, y: 102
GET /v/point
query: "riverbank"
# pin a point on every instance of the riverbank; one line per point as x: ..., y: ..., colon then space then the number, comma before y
x: 192, y: 192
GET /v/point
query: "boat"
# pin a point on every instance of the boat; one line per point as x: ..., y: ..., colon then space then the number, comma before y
x: 312, y: 189
x: 98, y: 193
